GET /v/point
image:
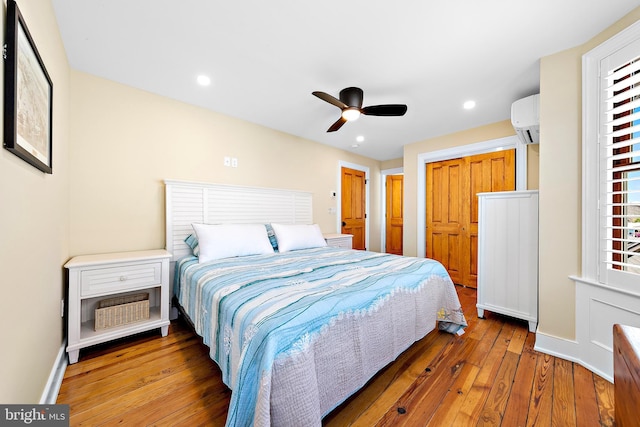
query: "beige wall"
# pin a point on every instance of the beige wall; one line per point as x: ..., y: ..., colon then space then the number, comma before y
x: 124, y: 142
x: 411, y: 153
x: 560, y: 181
x: 34, y: 233
x: 533, y: 167
x: 560, y: 213
x: 392, y: 164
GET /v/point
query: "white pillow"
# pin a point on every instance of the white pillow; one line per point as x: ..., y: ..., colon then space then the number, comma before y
x: 299, y: 236
x: 231, y: 240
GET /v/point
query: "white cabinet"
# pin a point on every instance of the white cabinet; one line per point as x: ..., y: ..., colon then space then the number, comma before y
x: 508, y: 254
x: 339, y: 240
x: 93, y: 278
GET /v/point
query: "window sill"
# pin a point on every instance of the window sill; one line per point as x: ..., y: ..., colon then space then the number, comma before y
x: 586, y: 281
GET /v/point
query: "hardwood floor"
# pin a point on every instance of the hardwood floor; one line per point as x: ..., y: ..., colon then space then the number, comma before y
x: 490, y: 376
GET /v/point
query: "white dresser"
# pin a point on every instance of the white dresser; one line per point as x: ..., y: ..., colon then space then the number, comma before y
x: 93, y: 278
x: 508, y: 254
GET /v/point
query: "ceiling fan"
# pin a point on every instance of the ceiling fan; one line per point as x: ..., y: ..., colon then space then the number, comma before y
x: 350, y: 103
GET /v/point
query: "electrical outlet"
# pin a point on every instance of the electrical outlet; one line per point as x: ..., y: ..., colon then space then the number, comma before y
x: 234, y: 162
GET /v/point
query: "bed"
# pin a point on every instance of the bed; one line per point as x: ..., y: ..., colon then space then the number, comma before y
x: 295, y: 326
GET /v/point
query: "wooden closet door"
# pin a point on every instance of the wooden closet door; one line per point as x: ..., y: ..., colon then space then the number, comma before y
x: 445, y: 215
x: 452, y: 208
x: 487, y: 173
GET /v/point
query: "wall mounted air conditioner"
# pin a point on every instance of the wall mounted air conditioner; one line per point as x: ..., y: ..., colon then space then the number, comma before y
x: 525, y: 118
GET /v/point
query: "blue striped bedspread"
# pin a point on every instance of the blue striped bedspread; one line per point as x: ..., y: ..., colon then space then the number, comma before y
x: 252, y: 310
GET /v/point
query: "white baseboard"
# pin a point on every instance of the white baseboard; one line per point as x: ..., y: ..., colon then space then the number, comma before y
x: 52, y: 388
x: 566, y: 349
x: 598, y: 308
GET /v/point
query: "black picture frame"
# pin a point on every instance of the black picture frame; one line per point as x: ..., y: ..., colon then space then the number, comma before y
x: 28, y: 96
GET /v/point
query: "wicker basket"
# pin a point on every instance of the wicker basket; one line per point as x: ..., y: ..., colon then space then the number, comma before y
x: 120, y: 311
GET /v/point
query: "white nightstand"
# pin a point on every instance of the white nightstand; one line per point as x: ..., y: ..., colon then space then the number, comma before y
x: 339, y: 240
x: 93, y: 278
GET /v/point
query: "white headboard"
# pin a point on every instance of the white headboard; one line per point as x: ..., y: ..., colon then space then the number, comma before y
x: 189, y: 202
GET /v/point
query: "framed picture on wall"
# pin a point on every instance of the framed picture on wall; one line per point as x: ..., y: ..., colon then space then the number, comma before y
x: 28, y: 94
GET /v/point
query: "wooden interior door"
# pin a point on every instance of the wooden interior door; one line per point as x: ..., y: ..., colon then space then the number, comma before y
x: 394, y: 221
x: 354, y: 206
x: 452, y: 208
x: 445, y: 220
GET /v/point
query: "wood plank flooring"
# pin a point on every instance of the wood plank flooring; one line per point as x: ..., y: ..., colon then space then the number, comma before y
x: 490, y: 376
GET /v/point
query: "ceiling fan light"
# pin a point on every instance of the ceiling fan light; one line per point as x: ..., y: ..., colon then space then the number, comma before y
x: 203, y: 80
x: 350, y: 114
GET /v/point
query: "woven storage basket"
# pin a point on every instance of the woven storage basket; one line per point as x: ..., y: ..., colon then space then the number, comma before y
x: 120, y: 311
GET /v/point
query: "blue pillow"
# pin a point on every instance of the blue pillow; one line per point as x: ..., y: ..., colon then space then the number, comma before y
x: 272, y: 237
x: 192, y: 241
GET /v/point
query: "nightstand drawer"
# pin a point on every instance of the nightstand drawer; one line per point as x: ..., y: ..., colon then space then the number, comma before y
x: 341, y: 243
x: 339, y: 240
x: 124, y: 277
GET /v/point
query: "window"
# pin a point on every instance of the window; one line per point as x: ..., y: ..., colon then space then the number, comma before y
x: 621, y: 161
x: 611, y: 160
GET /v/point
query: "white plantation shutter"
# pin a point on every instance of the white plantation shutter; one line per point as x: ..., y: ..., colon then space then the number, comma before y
x: 618, y: 169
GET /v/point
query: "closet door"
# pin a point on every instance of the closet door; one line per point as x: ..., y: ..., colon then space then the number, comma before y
x: 445, y: 216
x: 488, y: 172
x: 452, y: 208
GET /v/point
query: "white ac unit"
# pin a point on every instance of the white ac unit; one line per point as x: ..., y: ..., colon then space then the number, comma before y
x: 525, y: 118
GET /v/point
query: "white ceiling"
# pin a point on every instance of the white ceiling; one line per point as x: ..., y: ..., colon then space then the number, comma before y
x: 266, y: 57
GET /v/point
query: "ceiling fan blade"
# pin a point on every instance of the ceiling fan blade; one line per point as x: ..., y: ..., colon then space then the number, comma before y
x: 352, y: 96
x: 385, y: 110
x: 330, y: 99
x: 337, y: 125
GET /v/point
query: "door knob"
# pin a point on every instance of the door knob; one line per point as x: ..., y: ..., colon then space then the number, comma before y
x: 344, y: 224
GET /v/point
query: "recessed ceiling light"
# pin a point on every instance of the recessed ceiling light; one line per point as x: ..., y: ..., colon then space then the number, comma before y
x: 204, y: 80
x: 468, y: 105
x: 360, y: 138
